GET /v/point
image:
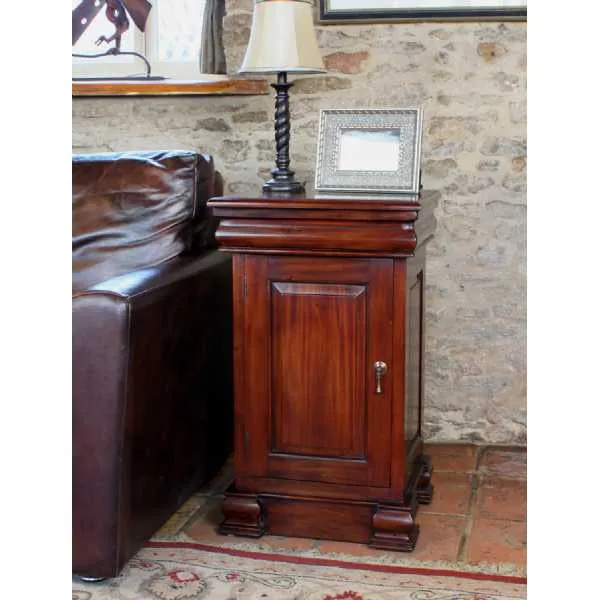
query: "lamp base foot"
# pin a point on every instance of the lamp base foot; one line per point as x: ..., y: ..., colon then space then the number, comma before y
x: 283, y: 186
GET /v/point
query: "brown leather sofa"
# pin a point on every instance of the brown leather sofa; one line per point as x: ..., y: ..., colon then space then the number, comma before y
x: 152, y: 348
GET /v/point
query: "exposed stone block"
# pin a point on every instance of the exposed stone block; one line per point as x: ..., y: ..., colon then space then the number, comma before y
x: 519, y: 163
x: 439, y: 168
x: 491, y: 164
x: 490, y: 51
x: 502, y: 146
x: 234, y: 150
x: 212, y: 124
x: 507, y: 82
x: 345, y: 62
x: 320, y: 84
x: 259, y: 116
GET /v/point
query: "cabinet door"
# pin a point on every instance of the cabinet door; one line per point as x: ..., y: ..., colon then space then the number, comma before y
x: 314, y: 327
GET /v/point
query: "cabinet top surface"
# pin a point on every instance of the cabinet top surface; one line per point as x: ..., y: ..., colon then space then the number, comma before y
x: 311, y: 199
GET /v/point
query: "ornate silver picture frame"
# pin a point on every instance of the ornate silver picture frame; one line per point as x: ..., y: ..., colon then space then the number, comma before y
x: 369, y: 150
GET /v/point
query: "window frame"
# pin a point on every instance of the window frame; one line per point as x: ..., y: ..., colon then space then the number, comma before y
x: 145, y: 43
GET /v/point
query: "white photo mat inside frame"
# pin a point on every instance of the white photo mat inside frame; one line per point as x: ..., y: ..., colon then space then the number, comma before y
x: 369, y: 150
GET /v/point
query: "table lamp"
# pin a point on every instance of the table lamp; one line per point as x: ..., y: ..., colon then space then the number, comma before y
x: 282, y: 41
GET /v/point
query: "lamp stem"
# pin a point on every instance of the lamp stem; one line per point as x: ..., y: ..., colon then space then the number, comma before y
x: 283, y: 177
x: 282, y: 121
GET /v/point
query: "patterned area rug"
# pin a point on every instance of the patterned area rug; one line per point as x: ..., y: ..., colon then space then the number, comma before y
x: 190, y: 571
x: 174, y: 566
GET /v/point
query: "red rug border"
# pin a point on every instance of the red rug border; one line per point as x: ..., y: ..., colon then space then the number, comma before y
x: 330, y: 562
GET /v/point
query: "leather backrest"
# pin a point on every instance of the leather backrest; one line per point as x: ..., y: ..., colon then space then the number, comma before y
x: 134, y: 210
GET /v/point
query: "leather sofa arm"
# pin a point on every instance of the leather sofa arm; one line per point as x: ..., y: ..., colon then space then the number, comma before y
x: 152, y: 281
x: 160, y: 340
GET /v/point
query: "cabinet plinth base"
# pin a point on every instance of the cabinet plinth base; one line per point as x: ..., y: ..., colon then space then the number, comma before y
x: 390, y: 527
x: 243, y: 515
x: 394, y: 528
x: 387, y: 525
x: 425, y: 487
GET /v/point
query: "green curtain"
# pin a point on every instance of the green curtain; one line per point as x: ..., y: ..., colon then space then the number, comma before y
x: 212, y: 53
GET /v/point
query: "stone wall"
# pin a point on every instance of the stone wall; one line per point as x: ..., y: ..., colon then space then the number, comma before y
x: 470, y: 79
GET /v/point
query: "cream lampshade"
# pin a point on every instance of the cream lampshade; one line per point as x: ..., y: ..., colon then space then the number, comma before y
x: 282, y: 40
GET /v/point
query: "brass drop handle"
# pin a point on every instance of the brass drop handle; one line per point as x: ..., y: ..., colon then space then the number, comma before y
x: 380, y: 371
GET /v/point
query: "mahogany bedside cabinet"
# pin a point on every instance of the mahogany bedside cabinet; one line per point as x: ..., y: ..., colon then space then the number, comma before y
x: 328, y: 297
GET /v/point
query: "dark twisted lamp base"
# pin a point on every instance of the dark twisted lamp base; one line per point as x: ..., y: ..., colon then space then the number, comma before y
x: 282, y: 180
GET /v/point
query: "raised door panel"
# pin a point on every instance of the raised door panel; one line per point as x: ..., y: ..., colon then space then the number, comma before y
x: 318, y: 369
x: 328, y: 322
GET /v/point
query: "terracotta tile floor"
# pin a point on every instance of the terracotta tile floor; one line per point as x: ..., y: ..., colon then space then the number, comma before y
x: 478, y: 513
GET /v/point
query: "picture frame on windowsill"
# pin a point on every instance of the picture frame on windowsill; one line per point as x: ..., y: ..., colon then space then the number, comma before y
x: 375, y: 11
x: 369, y: 151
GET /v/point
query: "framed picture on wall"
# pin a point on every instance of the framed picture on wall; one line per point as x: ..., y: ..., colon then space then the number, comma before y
x: 373, y: 11
x: 369, y: 150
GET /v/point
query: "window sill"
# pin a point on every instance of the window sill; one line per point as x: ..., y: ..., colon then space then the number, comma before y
x: 170, y: 87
